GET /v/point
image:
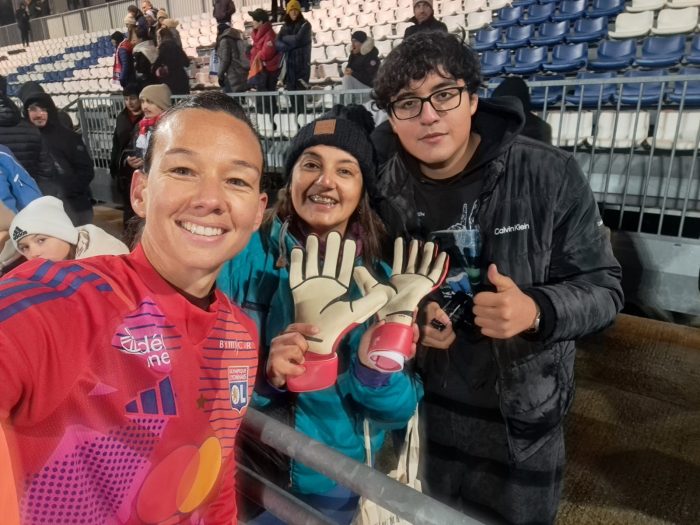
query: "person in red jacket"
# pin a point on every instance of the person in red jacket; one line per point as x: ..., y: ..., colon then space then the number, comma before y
x: 265, y: 61
x: 125, y: 378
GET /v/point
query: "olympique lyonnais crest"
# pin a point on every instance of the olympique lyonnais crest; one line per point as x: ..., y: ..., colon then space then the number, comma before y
x: 238, y: 387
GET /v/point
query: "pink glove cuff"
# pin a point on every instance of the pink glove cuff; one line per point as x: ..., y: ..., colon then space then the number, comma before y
x: 390, y: 346
x: 321, y: 372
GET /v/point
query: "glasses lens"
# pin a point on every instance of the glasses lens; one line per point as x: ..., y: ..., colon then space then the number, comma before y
x: 406, y: 108
x: 443, y: 100
x: 446, y: 99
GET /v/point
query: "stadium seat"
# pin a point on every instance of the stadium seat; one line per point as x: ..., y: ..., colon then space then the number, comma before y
x: 499, y: 4
x: 538, y: 13
x: 287, y: 124
x: 366, y: 19
x: 614, y: 54
x: 451, y: 7
x: 670, y: 133
x: 567, y: 57
x: 383, y: 46
x: 400, y: 29
x: 571, y: 129
x: 347, y: 21
x: 475, y: 5
x: 592, y: 95
x: 338, y: 53
x: 507, y: 16
x: 516, y: 36
x: 550, y: 33
x: 605, y: 8
x: 569, y: 10
x: 546, y: 95
x: 318, y: 55
x: 523, y: 3
x: 263, y: 123
x: 661, y: 51
x: 675, y: 21
x: 528, y: 60
x: 494, y: 62
x: 382, y: 32
x: 693, y: 55
x: 454, y: 23
x: 324, y: 38
x: 644, y: 94
x: 342, y: 35
x: 631, y: 25
x: 645, y: 5
x: 387, y: 16
x: 486, y: 39
x: 588, y: 30
x: 686, y: 90
x: 478, y: 20
x: 624, y: 129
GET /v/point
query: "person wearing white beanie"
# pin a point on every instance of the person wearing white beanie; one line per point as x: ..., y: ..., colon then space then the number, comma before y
x: 424, y: 19
x: 43, y: 229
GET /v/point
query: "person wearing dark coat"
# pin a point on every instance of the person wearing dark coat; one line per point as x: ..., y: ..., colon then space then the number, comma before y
x: 233, y: 62
x: 223, y: 11
x: 31, y: 88
x: 169, y: 67
x: 22, y: 16
x: 534, y: 127
x: 363, y: 63
x: 71, y: 159
x: 24, y: 140
x: 424, y: 19
x: 294, y: 40
x: 125, y: 128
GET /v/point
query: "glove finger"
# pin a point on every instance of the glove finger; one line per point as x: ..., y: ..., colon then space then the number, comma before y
x: 439, y: 271
x: 412, y: 256
x: 369, y: 305
x: 428, y: 253
x: 330, y: 260
x: 347, y: 262
x: 364, y: 280
x: 397, y: 267
x: 296, y: 262
x: 311, y: 256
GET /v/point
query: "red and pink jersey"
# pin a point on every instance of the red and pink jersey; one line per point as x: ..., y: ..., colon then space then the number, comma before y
x: 121, y: 399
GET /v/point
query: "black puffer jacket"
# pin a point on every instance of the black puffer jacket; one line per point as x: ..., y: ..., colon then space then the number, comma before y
x: 24, y: 140
x: 540, y: 224
x: 365, y: 64
x: 431, y: 24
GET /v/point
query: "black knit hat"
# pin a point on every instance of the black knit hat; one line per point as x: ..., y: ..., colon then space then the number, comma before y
x: 344, y: 127
x: 360, y: 36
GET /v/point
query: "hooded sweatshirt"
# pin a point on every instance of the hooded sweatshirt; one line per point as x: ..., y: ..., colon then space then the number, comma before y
x: 365, y: 64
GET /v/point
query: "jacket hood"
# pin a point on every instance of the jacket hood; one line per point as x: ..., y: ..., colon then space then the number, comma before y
x: 9, y: 114
x: 29, y: 89
x: 367, y: 46
x: 231, y: 33
x: 148, y: 49
x: 45, y: 100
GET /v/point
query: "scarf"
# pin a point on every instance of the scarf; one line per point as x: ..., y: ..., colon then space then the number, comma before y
x: 145, y: 126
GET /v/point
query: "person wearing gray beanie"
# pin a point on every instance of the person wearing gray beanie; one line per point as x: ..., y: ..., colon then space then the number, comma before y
x: 424, y: 19
x: 329, y: 165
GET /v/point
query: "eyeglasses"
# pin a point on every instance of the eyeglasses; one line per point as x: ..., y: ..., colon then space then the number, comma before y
x: 442, y: 100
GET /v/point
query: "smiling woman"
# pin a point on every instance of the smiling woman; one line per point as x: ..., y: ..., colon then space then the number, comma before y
x: 329, y: 165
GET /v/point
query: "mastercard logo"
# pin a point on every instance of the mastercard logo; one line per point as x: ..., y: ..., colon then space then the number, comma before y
x: 197, y: 468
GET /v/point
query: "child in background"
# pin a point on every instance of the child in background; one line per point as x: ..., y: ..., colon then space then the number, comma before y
x: 43, y: 229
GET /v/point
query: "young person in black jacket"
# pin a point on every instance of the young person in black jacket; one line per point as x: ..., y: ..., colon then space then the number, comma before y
x: 531, y: 271
x: 363, y: 62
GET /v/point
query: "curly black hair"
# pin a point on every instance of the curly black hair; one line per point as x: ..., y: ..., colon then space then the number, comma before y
x: 419, y: 55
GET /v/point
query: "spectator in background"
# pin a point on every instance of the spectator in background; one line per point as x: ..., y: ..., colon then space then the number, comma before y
x: 70, y: 156
x: 231, y: 47
x: 294, y: 40
x: 170, y: 64
x: 45, y: 8
x: 144, y: 55
x: 17, y: 188
x: 124, y: 133
x: 164, y: 21
x: 123, y: 68
x: 363, y: 63
x: 424, y: 19
x: 24, y: 140
x: 22, y: 16
x: 223, y: 11
x: 265, y: 60
x: 148, y: 9
x: 42, y: 229
x: 534, y: 127
x: 138, y: 17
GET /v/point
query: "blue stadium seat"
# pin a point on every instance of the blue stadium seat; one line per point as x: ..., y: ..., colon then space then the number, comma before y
x: 528, y: 60
x: 605, y: 8
x: 507, y: 16
x: 661, y: 51
x: 614, y: 54
x: 588, y: 30
x: 550, y: 33
x: 522, y: 3
x: 591, y: 95
x: 568, y: 57
x: 693, y: 56
x: 486, y: 39
x: 550, y: 95
x: 516, y: 36
x: 692, y: 88
x: 570, y: 10
x: 538, y: 13
x: 646, y: 94
x: 494, y: 62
